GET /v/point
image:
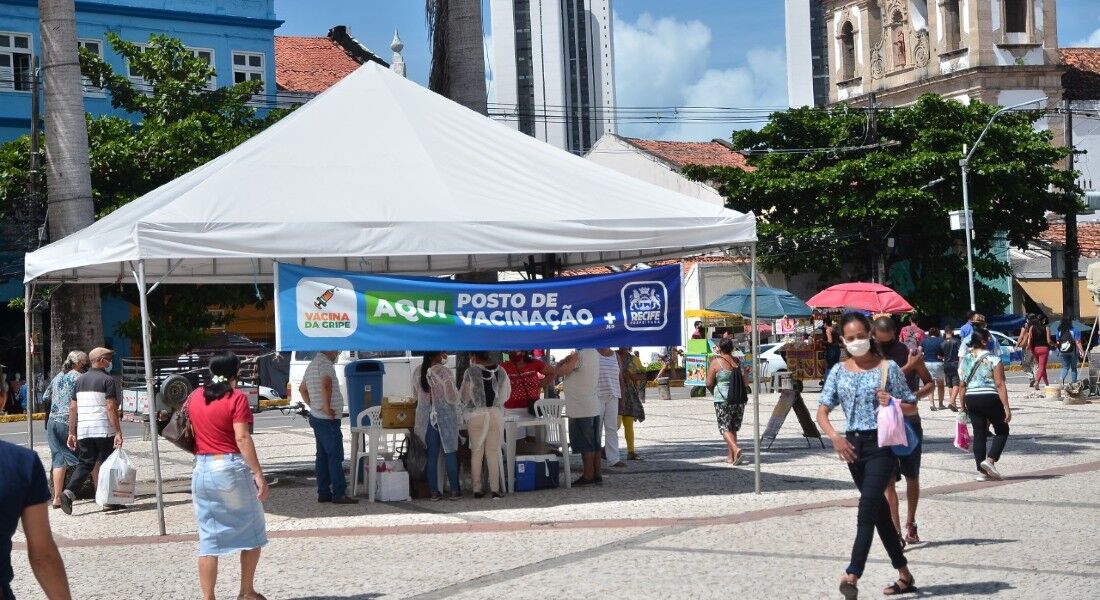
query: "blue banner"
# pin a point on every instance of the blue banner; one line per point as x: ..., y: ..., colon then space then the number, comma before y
x: 320, y: 309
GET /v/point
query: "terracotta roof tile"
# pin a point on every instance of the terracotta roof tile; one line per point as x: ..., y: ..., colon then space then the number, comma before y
x: 310, y: 64
x: 1082, y: 77
x: 1088, y: 237
x: 681, y: 154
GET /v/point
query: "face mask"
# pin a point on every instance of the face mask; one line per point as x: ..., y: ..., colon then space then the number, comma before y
x: 858, y: 348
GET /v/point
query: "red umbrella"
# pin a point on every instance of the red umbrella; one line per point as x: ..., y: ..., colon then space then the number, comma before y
x: 862, y: 296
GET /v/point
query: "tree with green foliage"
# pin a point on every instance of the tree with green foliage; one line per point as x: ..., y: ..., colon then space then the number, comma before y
x: 172, y: 124
x: 830, y: 188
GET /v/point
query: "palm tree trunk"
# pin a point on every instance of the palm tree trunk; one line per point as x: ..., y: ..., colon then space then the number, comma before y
x: 458, y: 73
x: 76, y: 320
x: 458, y: 52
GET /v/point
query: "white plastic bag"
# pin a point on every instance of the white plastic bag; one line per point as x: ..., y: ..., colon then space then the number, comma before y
x: 117, y: 478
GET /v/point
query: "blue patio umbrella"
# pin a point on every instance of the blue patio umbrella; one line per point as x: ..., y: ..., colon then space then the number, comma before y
x: 771, y: 303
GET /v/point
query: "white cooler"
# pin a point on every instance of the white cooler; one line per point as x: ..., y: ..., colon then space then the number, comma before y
x: 391, y: 486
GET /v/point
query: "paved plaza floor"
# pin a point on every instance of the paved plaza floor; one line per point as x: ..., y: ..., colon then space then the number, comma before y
x: 678, y: 524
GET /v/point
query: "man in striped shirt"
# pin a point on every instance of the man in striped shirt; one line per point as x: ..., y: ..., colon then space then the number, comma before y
x: 94, y: 430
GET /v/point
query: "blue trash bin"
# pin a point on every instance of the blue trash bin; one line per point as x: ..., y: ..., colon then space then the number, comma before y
x: 364, y: 386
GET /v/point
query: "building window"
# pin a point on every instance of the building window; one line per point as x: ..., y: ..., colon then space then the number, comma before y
x: 847, y: 51
x: 16, y: 59
x: 133, y: 75
x: 207, y: 56
x: 95, y: 47
x: 1016, y: 16
x: 248, y: 66
x: 952, y: 25
x: 525, y: 70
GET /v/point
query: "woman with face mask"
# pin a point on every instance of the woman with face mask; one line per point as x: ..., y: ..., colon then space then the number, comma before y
x: 485, y: 387
x: 438, y: 417
x: 527, y: 375
x: 856, y: 385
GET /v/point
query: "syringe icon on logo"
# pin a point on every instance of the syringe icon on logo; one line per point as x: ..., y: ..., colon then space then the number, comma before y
x: 323, y: 300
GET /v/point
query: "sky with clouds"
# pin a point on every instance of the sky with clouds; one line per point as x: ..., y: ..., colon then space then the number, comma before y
x: 715, y: 53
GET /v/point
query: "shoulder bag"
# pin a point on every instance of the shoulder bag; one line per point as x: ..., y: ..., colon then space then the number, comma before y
x: 179, y: 430
x: 974, y: 369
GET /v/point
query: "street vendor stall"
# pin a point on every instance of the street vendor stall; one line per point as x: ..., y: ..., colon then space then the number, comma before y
x: 399, y: 190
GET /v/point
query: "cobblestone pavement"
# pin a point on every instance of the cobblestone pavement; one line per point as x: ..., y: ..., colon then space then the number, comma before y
x: 679, y: 524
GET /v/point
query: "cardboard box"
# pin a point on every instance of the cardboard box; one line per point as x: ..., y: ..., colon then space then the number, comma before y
x: 399, y: 413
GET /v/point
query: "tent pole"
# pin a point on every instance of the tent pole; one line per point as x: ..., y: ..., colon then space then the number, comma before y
x: 148, y: 355
x: 28, y: 343
x: 757, y: 372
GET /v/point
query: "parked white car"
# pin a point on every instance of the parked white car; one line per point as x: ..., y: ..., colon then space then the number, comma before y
x: 396, y: 381
x: 775, y: 362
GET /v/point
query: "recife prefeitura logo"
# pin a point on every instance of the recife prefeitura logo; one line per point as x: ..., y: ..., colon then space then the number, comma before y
x: 326, y: 307
x: 645, y: 305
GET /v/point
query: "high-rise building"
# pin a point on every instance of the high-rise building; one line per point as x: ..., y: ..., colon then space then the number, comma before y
x: 807, y: 53
x: 553, y: 69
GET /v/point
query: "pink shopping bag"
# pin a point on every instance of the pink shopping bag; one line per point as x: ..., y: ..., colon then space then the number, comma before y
x: 962, y: 436
x: 891, y: 425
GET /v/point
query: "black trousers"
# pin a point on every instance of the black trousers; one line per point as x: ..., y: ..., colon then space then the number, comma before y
x: 986, y: 410
x: 89, y: 451
x: 873, y: 470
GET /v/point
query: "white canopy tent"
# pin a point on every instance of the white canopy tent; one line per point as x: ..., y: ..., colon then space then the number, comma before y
x: 381, y: 175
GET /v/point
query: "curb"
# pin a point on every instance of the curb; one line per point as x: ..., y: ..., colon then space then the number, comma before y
x: 21, y: 418
x: 265, y: 404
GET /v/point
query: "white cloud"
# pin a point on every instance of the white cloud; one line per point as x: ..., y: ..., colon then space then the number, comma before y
x: 1092, y: 40
x: 664, y: 62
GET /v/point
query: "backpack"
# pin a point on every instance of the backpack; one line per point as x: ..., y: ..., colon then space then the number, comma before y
x: 1065, y: 341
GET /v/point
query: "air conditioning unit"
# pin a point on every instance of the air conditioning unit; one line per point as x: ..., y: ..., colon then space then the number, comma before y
x: 1092, y: 201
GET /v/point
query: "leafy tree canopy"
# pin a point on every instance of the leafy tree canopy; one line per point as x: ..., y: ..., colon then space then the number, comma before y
x: 828, y: 197
x: 173, y: 123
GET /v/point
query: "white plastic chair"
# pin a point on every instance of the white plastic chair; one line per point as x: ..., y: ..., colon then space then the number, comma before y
x: 553, y: 410
x: 359, y: 449
x: 550, y: 408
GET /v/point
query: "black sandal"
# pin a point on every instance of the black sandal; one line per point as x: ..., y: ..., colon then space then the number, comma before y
x: 895, y: 589
x: 849, y: 590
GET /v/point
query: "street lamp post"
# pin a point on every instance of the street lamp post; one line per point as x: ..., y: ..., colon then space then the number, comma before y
x: 964, y: 164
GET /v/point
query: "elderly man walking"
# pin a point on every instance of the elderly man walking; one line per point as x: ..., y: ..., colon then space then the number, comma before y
x: 320, y: 389
x: 94, y: 429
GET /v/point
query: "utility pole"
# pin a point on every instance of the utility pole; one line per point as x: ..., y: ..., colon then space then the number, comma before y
x: 29, y: 332
x: 872, y: 139
x: 1069, y: 277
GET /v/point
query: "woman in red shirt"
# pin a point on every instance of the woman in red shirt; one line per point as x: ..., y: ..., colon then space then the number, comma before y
x: 227, y: 484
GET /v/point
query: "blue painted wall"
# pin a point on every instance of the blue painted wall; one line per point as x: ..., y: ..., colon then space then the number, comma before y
x: 219, y: 26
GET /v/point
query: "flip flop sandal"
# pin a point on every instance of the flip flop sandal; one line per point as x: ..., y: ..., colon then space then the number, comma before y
x: 739, y: 458
x: 897, y: 590
x: 849, y: 591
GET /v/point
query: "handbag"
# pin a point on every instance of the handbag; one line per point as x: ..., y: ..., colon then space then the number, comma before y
x: 414, y: 455
x: 912, y: 440
x: 962, y: 433
x: 179, y: 430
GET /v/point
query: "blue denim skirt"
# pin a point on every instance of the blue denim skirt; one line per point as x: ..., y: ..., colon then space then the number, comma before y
x: 229, y: 516
x: 60, y: 455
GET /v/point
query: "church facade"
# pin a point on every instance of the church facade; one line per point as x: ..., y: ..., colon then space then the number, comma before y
x: 997, y: 51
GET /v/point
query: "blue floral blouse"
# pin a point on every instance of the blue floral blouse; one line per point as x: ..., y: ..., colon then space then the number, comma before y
x: 856, y: 392
x: 61, y: 392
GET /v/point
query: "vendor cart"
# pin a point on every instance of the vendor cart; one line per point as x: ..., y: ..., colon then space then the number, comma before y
x: 174, y: 380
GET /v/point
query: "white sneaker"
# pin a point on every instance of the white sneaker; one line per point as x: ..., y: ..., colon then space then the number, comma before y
x: 981, y: 477
x: 991, y: 470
